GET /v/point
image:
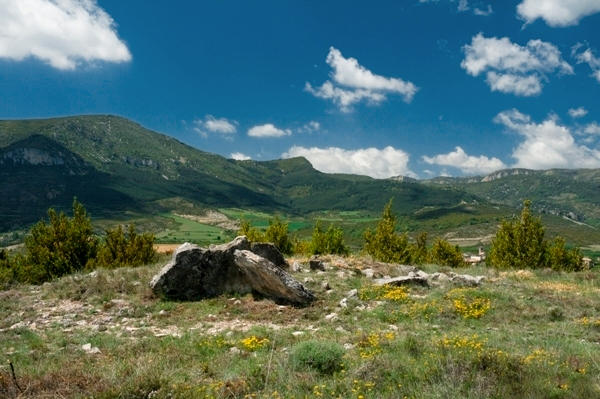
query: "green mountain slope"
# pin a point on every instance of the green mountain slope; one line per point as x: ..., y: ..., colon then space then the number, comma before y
x: 574, y: 194
x: 113, y: 164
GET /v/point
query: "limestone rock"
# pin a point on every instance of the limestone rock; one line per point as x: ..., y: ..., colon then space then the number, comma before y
x: 271, y: 281
x: 402, y: 280
x: 316, y: 264
x: 196, y: 273
x: 269, y: 251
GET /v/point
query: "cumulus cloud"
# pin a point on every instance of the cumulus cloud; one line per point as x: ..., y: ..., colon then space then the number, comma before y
x: 62, y: 33
x: 547, y: 144
x: 510, y: 67
x: 578, y: 112
x: 352, y: 83
x: 587, y: 57
x: 374, y: 162
x: 592, y: 128
x: 238, y: 156
x: 268, y: 130
x: 557, y: 12
x: 468, y: 164
x: 211, y: 124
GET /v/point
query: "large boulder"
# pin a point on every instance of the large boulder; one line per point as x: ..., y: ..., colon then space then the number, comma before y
x: 196, y: 273
x: 271, y: 252
x: 271, y: 281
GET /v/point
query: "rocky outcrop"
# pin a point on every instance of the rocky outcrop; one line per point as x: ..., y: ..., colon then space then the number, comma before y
x: 196, y: 273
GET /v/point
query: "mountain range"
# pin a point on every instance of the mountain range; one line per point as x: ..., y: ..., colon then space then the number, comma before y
x: 115, y: 166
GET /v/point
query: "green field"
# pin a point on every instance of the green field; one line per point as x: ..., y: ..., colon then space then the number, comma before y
x: 186, y: 230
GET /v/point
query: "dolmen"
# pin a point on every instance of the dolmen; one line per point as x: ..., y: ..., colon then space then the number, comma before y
x: 238, y: 267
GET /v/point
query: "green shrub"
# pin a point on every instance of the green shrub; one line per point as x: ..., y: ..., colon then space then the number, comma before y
x: 562, y: 258
x: 6, y: 271
x: 252, y: 233
x: 445, y: 254
x: 322, y: 356
x: 384, y: 243
x: 277, y: 233
x: 61, y: 246
x: 126, y: 249
x: 520, y: 244
x: 419, y: 253
x: 327, y: 242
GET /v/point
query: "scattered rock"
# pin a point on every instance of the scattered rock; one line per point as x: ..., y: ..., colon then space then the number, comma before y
x: 353, y: 293
x: 316, y: 264
x: 88, y: 348
x: 296, y: 267
x: 331, y: 317
x: 325, y: 286
x: 340, y: 329
x: 368, y: 273
x: 343, y: 303
x: 402, y: 280
x: 298, y: 333
x: 465, y: 279
x: 234, y: 350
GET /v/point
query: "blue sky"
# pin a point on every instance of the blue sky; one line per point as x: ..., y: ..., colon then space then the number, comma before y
x: 384, y: 88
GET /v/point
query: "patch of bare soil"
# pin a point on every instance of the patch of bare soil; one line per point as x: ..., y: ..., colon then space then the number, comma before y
x: 214, y: 218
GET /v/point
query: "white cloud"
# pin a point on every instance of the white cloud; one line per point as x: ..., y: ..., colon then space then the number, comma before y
x: 374, y: 162
x: 592, y: 128
x: 514, y: 84
x: 211, y: 124
x: 464, y: 6
x: 578, y: 112
x: 483, y: 12
x: 268, y: 130
x: 357, y: 84
x: 587, y: 57
x: 238, y: 156
x: 62, y: 33
x: 310, y: 127
x: 466, y: 163
x: 547, y: 144
x: 511, y: 68
x: 557, y: 12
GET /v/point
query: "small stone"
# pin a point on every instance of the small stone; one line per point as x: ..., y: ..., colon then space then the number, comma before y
x: 340, y: 329
x: 331, y: 317
x: 296, y: 267
x: 88, y: 348
x: 234, y: 350
x: 297, y: 333
x: 343, y: 303
x: 353, y: 293
x: 368, y: 273
x: 325, y: 285
x: 348, y: 346
x: 316, y: 264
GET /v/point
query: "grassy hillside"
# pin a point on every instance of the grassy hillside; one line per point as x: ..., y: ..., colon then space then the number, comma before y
x: 520, y: 334
x: 150, y: 172
x: 563, y: 192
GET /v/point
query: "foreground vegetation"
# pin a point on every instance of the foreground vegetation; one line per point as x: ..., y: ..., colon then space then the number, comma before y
x: 522, y: 334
